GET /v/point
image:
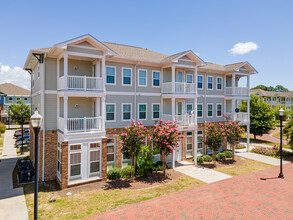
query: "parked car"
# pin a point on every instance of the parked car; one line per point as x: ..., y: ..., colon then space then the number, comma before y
x: 25, y: 170
x: 25, y: 136
x: 25, y: 142
x: 18, y: 133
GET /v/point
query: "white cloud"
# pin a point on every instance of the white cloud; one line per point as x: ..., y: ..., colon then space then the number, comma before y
x: 243, y: 48
x: 14, y: 75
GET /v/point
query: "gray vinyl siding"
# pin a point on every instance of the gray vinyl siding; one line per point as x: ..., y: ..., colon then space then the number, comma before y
x: 167, y: 76
x: 188, y: 63
x: 36, y: 103
x: 149, y: 87
x: 214, y: 91
x: 84, y: 107
x: 167, y: 106
x: 51, y: 111
x: 84, y: 50
x: 51, y: 74
x: 83, y: 68
x: 37, y: 81
x: 214, y: 101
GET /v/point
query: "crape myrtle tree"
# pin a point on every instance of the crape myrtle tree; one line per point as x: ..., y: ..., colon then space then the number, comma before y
x: 261, y: 116
x: 132, y: 141
x: 16, y: 113
x: 165, y: 139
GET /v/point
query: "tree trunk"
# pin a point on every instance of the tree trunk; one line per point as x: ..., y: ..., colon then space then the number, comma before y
x: 164, y: 162
x: 132, y: 169
x: 233, y: 152
x: 254, y: 137
x: 214, y: 156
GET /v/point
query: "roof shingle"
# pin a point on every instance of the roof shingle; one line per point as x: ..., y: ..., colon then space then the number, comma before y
x: 11, y: 89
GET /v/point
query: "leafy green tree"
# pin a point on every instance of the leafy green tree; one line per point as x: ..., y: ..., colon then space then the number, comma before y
x: 288, y: 132
x: 15, y: 109
x: 263, y: 87
x: 261, y: 116
x: 276, y: 112
x: 280, y: 88
x: 144, y: 162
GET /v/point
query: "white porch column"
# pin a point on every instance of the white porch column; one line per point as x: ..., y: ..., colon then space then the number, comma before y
x: 233, y: 83
x: 162, y: 108
x: 224, y: 84
x: 248, y: 140
x: 98, y: 107
x: 173, y: 159
x: 173, y: 79
x: 248, y: 84
x: 65, y: 70
x: 195, y: 79
x: 58, y: 108
x: 195, y: 146
x: 65, y: 114
x: 98, y: 69
x: 104, y: 72
x: 195, y: 111
x: 103, y: 112
x: 173, y: 108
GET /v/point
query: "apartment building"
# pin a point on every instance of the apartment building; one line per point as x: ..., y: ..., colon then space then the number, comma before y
x: 88, y: 91
x: 274, y: 98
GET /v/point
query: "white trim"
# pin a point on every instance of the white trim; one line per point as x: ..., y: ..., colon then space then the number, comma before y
x: 208, y: 110
x: 132, y: 93
x: 202, y: 82
x: 69, y: 165
x: 146, y: 111
x: 208, y: 82
x: 114, y: 144
x: 146, y: 78
x: 153, y: 111
x: 85, y: 47
x: 159, y: 79
x: 218, y: 83
x: 114, y: 75
x: 109, y: 112
x: 202, y: 109
x: 84, y: 54
x: 88, y: 176
x: 221, y: 104
x: 192, y: 150
x: 126, y: 68
x: 122, y: 111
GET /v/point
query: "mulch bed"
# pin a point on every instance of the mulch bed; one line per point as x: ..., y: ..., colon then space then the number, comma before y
x: 227, y: 163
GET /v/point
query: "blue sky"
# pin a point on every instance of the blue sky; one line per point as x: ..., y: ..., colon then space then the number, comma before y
x: 210, y: 28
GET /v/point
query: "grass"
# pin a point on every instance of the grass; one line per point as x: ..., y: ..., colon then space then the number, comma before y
x: 248, y: 166
x: 25, y: 151
x: 84, y: 204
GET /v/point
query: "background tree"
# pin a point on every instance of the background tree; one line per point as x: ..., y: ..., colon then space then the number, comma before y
x: 280, y: 88
x: 165, y: 139
x: 261, y: 116
x: 132, y: 141
x: 288, y: 132
x: 16, y: 113
x: 276, y: 109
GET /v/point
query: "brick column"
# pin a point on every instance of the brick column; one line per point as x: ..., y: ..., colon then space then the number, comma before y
x: 64, y: 165
x: 104, y: 159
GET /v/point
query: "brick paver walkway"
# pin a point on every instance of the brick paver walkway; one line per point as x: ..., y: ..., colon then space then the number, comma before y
x: 240, y: 197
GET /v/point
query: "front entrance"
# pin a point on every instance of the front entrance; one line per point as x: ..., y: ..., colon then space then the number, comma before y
x: 178, y: 152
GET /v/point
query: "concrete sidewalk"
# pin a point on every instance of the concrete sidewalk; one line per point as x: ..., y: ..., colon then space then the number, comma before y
x: 12, y: 201
x: 201, y: 173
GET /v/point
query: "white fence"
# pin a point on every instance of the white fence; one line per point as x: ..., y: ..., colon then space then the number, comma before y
x: 180, y: 87
x: 239, y: 91
x: 81, y: 83
x: 181, y: 119
x: 81, y: 124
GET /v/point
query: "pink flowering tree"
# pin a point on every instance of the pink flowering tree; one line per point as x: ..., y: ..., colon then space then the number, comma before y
x: 214, y: 136
x: 233, y: 133
x: 165, y: 139
x: 132, y: 141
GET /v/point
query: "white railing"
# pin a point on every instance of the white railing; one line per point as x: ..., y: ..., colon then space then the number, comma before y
x: 84, y: 124
x: 60, y: 124
x: 180, y: 88
x: 4, y: 112
x: 183, y: 120
x: 239, y: 91
x: 243, y: 117
x: 274, y: 103
x: 288, y: 103
x: 81, y: 83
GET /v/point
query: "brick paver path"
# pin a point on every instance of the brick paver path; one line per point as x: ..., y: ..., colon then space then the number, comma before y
x: 240, y: 197
x: 268, y: 137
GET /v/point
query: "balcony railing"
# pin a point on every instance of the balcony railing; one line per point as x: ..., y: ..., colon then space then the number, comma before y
x: 243, y: 117
x: 85, y: 124
x: 81, y: 83
x: 180, y: 88
x: 183, y: 120
x: 239, y: 91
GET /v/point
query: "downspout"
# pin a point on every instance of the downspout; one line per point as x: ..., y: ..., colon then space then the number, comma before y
x: 43, y: 113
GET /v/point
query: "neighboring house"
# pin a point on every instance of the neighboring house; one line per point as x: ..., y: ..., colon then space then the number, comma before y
x: 88, y: 91
x: 10, y: 93
x: 274, y: 98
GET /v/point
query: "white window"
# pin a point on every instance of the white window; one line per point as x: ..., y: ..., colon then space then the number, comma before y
x: 199, y: 81
x: 94, y: 160
x: 210, y: 82
x: 210, y: 110
x: 110, y: 112
x: 127, y: 72
x: 110, y: 75
x: 142, y: 78
x: 189, y: 144
x: 199, y: 142
x: 199, y: 111
x: 219, y: 110
x: 219, y: 83
x: 156, y: 78
x: 189, y: 108
x: 75, y: 161
x: 126, y: 112
x: 59, y: 160
x: 110, y: 153
x: 189, y: 78
x: 142, y: 111
x: 10, y: 98
x: 156, y: 111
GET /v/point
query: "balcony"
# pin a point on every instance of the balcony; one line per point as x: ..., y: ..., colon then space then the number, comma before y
x: 81, y: 83
x: 180, y: 88
x: 288, y: 103
x: 86, y: 124
x: 239, y: 91
x: 242, y: 117
x: 182, y: 120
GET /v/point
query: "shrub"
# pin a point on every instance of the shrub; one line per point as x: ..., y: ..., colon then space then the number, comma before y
x: 126, y: 172
x: 2, y: 127
x: 114, y: 173
x: 199, y: 160
x: 207, y: 158
x: 240, y: 146
x: 144, y: 163
x: 158, y: 166
x: 228, y: 154
x: 220, y: 156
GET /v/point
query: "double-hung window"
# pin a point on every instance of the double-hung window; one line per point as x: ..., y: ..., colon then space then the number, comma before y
x: 189, y: 144
x: 126, y: 76
x: 210, y: 82
x: 199, y: 142
x: 219, y: 83
x: 219, y: 110
x: 110, y: 153
x: 189, y: 108
x: 75, y: 161
x: 199, y: 110
x: 126, y: 112
x: 142, y: 111
x: 210, y: 110
x: 110, y: 112
x: 156, y: 111
x: 189, y: 78
x: 94, y: 159
x: 110, y: 75
x: 156, y: 78
x: 199, y: 82
x: 142, y: 78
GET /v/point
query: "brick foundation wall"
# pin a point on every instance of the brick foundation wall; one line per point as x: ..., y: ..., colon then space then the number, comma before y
x: 64, y: 166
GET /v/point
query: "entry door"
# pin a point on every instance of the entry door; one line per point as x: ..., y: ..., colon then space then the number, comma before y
x: 179, y: 77
x: 179, y: 108
x: 178, y: 152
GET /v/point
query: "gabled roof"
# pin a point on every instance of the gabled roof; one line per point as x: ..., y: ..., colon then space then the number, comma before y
x: 189, y: 53
x: 14, y: 90
x: 234, y: 67
x: 271, y: 93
